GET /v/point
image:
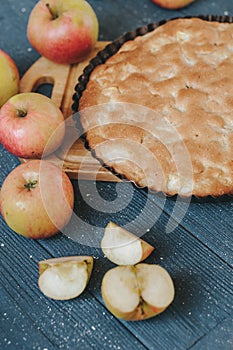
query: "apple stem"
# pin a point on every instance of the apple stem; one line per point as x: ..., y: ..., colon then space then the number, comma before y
x: 30, y: 185
x: 52, y: 12
x: 21, y: 113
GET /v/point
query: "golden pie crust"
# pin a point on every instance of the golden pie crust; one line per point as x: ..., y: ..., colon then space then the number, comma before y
x: 160, y: 110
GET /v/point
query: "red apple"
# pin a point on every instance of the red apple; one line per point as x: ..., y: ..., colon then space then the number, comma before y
x: 9, y: 82
x: 172, y: 4
x: 36, y: 199
x: 64, y: 31
x: 31, y: 125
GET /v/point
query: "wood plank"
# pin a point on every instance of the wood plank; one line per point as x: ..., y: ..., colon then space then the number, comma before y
x: 221, y: 337
x: 209, y: 220
x: 82, y: 322
x: 7, y: 163
x: 119, y: 17
x: 202, y: 279
x: 196, y: 217
x: 18, y: 331
x: 185, y: 257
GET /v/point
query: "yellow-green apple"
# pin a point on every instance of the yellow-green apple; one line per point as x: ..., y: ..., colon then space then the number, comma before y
x: 137, y: 292
x: 172, y: 4
x: 9, y: 82
x: 123, y: 247
x: 64, y: 31
x: 37, y: 199
x: 66, y: 277
x: 31, y: 125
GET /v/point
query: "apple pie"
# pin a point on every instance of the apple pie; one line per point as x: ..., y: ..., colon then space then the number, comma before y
x: 159, y: 109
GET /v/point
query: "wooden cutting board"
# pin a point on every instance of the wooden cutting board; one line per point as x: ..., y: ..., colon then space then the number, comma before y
x: 77, y: 162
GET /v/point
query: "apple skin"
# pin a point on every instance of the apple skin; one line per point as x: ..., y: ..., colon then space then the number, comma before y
x: 39, y: 132
x: 37, y: 199
x: 147, y: 249
x: 44, y: 264
x: 69, y: 37
x: 9, y: 82
x: 172, y: 4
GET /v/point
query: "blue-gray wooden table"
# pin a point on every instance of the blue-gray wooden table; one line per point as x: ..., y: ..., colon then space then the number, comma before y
x: 193, y: 239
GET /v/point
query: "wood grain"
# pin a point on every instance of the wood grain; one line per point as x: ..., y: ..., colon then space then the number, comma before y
x: 202, y: 280
x: 76, y: 324
x: 221, y: 336
x: 194, y: 253
x: 215, y: 234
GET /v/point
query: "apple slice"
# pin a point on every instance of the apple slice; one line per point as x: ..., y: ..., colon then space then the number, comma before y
x: 137, y: 292
x: 64, y: 278
x: 123, y: 247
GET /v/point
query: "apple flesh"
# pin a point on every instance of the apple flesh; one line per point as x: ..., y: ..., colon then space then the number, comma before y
x: 37, y: 199
x: 31, y: 125
x: 172, y: 4
x: 63, y: 31
x: 64, y: 278
x: 137, y: 292
x: 9, y: 82
x: 123, y: 247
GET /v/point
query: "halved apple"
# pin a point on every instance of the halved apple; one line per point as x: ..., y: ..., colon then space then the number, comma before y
x: 66, y: 277
x: 123, y: 247
x: 137, y: 292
